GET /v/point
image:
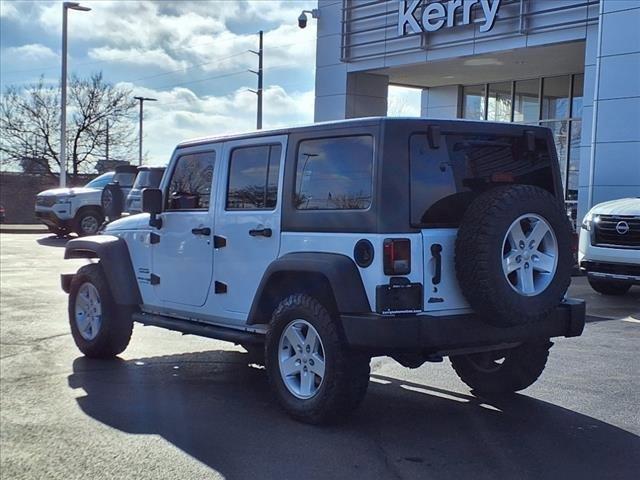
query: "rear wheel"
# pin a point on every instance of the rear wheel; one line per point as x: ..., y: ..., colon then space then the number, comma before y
x: 100, y: 328
x: 503, y: 371
x: 312, y: 374
x: 607, y: 287
x: 513, y: 256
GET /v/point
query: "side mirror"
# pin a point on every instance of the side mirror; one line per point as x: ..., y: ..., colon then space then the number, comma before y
x: 152, y: 204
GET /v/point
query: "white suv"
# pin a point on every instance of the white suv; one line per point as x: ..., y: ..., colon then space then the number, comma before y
x: 323, y: 246
x: 77, y: 209
x: 609, y: 250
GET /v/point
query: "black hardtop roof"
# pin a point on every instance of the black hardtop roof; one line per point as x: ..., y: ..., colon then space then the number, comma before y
x: 481, y: 126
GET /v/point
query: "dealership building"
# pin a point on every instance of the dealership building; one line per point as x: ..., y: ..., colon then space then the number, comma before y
x: 570, y: 65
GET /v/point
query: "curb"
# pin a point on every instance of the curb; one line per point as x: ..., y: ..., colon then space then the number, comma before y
x: 4, y: 228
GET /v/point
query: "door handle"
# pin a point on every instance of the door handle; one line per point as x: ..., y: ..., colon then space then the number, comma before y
x: 262, y: 232
x: 206, y: 231
x: 436, y: 250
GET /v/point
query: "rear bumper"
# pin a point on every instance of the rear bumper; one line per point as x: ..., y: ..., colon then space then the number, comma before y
x: 384, y: 334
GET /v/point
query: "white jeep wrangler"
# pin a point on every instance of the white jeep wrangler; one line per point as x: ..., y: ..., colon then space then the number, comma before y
x: 329, y: 244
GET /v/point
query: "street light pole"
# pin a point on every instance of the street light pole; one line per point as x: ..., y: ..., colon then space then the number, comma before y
x: 63, y: 93
x: 142, y: 100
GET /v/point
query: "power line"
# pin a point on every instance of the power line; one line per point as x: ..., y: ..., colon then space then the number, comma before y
x: 137, y: 55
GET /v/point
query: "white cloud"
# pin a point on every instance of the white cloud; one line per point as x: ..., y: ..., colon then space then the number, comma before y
x: 179, y: 114
x: 31, y: 52
x: 8, y: 10
x: 136, y: 56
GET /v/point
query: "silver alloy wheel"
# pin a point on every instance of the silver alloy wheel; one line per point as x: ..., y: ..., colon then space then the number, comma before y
x: 89, y: 224
x: 301, y: 359
x: 529, y: 255
x: 88, y: 311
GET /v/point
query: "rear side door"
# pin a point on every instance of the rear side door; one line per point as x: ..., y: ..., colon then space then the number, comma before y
x: 247, y: 221
x: 183, y: 254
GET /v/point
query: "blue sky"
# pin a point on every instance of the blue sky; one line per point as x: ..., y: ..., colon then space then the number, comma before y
x: 191, y: 55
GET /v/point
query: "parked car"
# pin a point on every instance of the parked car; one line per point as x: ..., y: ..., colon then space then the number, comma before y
x: 609, y: 251
x: 76, y: 209
x: 323, y: 246
x: 148, y: 177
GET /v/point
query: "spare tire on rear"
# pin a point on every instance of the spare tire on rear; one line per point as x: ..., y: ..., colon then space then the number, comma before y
x: 513, y: 255
x: 112, y: 201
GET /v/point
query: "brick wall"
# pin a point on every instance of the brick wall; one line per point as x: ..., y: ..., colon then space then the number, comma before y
x: 18, y: 193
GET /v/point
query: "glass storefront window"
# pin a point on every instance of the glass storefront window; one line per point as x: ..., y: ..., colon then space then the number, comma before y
x: 574, y: 160
x: 561, y: 136
x: 499, y: 108
x: 473, y: 102
x: 578, y: 93
x: 527, y: 101
x: 555, y: 97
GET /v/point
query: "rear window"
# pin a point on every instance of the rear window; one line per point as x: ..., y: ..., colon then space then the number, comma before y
x: 445, y: 180
x: 148, y: 179
x: 334, y: 173
x: 125, y: 179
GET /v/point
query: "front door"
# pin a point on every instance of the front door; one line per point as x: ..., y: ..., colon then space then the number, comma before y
x: 183, y: 257
x: 248, y: 219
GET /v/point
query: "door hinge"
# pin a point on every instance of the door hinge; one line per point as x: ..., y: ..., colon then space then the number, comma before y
x: 154, y: 279
x: 154, y: 238
x: 220, y: 287
x: 219, y: 242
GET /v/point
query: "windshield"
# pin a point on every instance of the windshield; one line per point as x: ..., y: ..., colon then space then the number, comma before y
x: 101, y: 181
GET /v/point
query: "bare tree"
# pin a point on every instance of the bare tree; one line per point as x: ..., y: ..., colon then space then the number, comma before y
x: 30, y: 125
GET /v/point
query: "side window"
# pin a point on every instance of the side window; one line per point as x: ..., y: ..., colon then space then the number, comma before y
x: 334, y: 173
x: 253, y: 178
x: 190, y: 186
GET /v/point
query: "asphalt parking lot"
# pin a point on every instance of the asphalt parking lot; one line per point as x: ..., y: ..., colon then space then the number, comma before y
x: 185, y: 407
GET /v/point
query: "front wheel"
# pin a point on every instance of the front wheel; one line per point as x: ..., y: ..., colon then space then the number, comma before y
x: 88, y: 223
x: 100, y: 328
x: 503, y: 371
x: 314, y: 377
x: 607, y: 287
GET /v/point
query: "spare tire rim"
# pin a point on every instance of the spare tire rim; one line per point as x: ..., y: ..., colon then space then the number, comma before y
x: 301, y: 359
x: 529, y: 255
x: 88, y: 311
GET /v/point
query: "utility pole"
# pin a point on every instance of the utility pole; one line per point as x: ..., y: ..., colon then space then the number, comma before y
x: 63, y: 90
x: 142, y: 100
x: 259, y: 74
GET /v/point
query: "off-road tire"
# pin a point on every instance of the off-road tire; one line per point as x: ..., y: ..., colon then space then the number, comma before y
x: 606, y: 287
x: 521, y: 367
x: 90, y: 212
x: 117, y: 323
x: 478, y: 255
x: 346, y: 373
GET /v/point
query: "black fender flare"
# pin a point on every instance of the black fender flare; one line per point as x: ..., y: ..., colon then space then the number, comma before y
x: 115, y: 261
x: 339, y: 271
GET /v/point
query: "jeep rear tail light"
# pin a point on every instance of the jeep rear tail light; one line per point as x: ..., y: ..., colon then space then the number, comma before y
x: 397, y: 256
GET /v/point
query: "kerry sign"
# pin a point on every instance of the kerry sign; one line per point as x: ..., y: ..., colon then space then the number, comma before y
x: 432, y: 16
